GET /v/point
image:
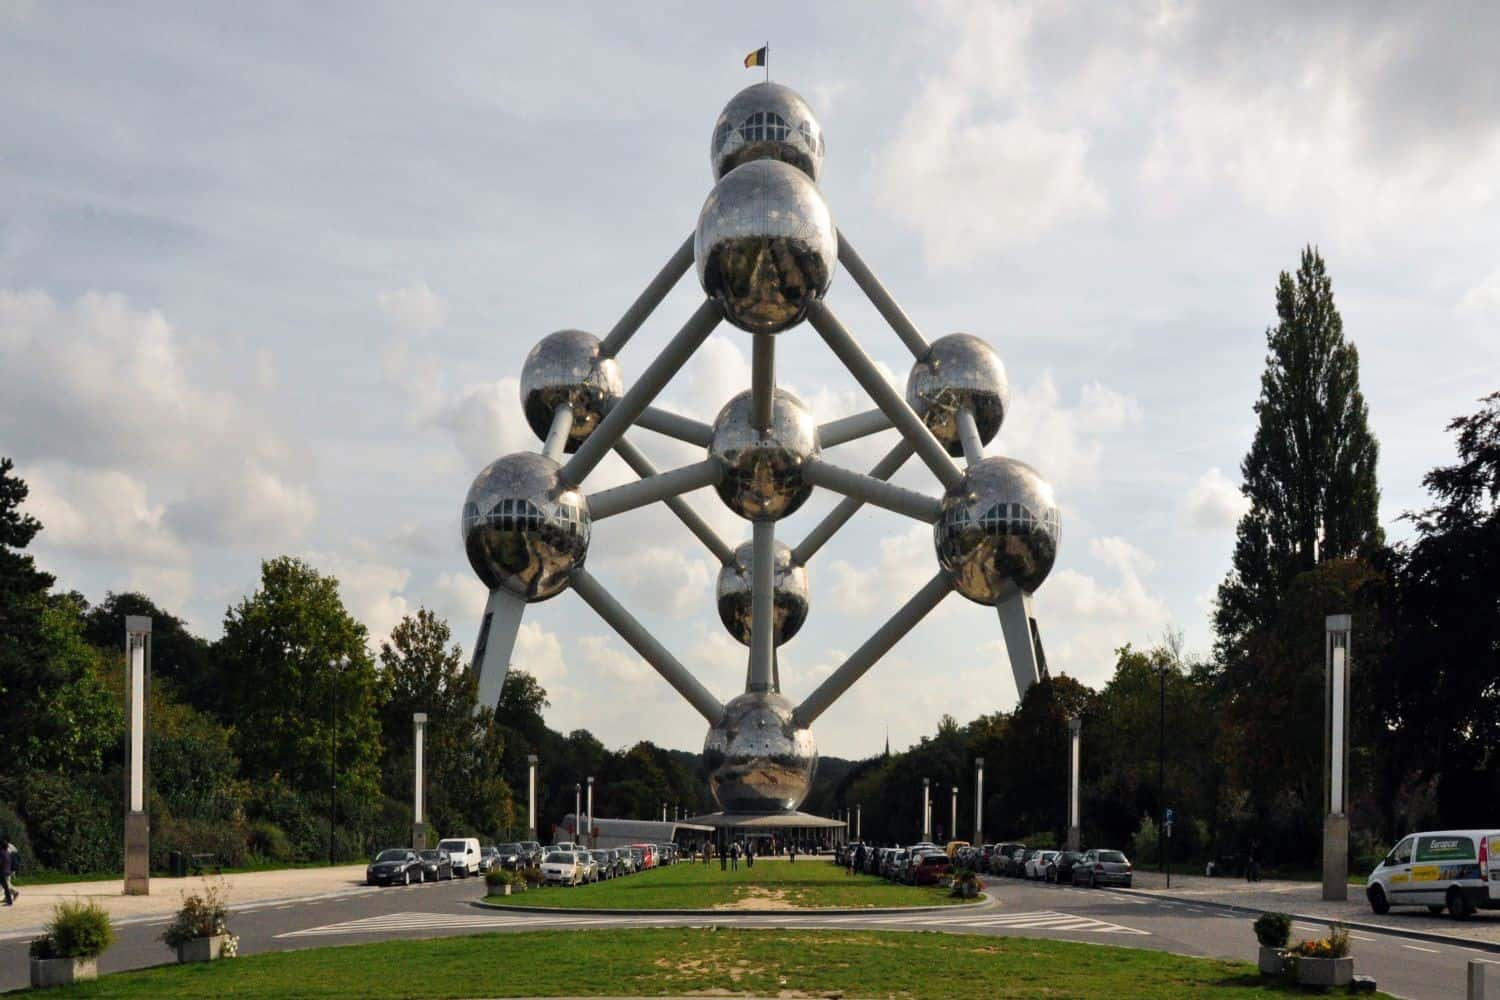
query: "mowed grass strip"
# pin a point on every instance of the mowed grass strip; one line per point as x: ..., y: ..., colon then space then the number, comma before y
x: 681, y: 960
x: 770, y: 884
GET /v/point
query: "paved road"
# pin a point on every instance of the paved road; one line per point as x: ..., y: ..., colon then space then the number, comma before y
x: 1406, y: 967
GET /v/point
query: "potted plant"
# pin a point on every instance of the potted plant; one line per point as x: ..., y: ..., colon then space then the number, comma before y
x: 200, y: 931
x: 1273, y: 930
x: 500, y: 881
x: 1325, y: 961
x: 68, y: 950
x: 531, y: 877
x: 966, y: 884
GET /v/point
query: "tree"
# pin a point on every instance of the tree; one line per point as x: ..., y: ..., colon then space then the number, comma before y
x: 23, y: 593
x: 1310, y: 471
x: 292, y: 657
x: 178, y: 657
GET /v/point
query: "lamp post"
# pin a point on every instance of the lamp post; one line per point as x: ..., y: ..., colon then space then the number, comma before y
x: 1075, y: 729
x: 858, y: 815
x: 1338, y: 629
x: 590, y: 827
x: 577, y: 812
x: 978, y: 801
x: 419, y: 734
x: 1161, y: 778
x: 926, y: 808
x: 137, y: 770
x: 531, y: 796
x: 953, y: 816
x: 337, y: 667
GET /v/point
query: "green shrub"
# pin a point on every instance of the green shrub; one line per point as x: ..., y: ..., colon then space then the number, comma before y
x: 12, y: 826
x: 1040, y: 841
x: 201, y: 915
x: 532, y: 875
x: 74, y: 822
x: 1144, y: 847
x: 1273, y: 930
x: 268, y: 842
x: 496, y: 877
x: 76, y: 930
x: 224, y: 839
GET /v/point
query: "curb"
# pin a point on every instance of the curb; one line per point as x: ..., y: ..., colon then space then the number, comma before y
x: 985, y: 902
x: 1416, y: 935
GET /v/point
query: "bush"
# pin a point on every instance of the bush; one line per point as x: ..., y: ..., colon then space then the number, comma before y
x: 496, y: 877
x: 1040, y: 841
x: 223, y: 839
x: 268, y: 842
x: 201, y: 915
x: 532, y: 875
x: 73, y: 822
x: 76, y: 930
x: 12, y: 826
x: 1144, y: 848
x: 1273, y: 930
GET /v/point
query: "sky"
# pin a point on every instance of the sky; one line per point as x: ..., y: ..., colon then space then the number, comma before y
x: 268, y: 274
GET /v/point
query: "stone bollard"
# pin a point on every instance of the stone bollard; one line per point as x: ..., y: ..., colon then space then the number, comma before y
x: 1477, y: 980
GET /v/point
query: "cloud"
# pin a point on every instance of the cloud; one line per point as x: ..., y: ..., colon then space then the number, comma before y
x: 1484, y: 298
x: 1084, y: 621
x: 1063, y: 442
x: 416, y: 308
x: 1214, y: 502
x: 102, y: 514
x: 903, y: 563
x: 674, y: 581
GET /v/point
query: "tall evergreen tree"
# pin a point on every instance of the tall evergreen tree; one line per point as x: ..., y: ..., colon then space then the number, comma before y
x: 1310, y: 472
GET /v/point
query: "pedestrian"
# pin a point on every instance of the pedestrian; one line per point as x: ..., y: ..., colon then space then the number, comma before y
x: 793, y: 847
x: 734, y: 856
x: 859, y: 859
x: 749, y: 854
x: 1252, y: 867
x: 8, y: 858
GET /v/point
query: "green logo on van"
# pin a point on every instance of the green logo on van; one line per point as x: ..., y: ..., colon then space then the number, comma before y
x: 1445, y: 849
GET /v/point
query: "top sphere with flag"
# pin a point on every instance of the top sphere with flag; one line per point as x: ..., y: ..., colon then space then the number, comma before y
x: 767, y: 122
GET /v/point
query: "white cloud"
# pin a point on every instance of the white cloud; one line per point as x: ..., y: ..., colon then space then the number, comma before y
x: 1063, y: 442
x: 1215, y: 503
x: 657, y: 580
x: 101, y: 513
x: 416, y: 308
x: 1084, y: 621
x: 903, y: 563
x: 1484, y: 298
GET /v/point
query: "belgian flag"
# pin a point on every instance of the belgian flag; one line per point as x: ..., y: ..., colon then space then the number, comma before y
x: 756, y: 58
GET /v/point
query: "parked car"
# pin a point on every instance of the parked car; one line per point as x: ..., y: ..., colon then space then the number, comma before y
x: 928, y: 868
x: 560, y: 868
x: 1454, y: 869
x: 647, y: 854
x: 1037, y: 862
x: 588, y: 868
x: 464, y: 853
x: 511, y: 856
x: 532, y: 852
x: 1060, y: 869
x: 489, y: 857
x: 394, y: 866
x: 437, y: 865
x: 953, y: 846
x: 1001, y: 855
x: 1102, y: 868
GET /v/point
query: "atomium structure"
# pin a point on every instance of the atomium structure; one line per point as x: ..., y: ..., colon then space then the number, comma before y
x: 765, y: 251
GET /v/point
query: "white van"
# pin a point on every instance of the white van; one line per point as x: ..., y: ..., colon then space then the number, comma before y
x: 465, y: 854
x: 1454, y: 869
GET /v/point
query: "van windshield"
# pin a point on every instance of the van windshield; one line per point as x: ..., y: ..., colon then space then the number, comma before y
x: 453, y: 845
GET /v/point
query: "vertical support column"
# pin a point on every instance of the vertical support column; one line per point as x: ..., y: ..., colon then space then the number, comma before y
x: 419, y: 746
x: 577, y: 813
x: 953, y: 816
x: 926, y: 808
x: 1075, y: 739
x: 137, y: 758
x: 590, y: 826
x: 1478, y: 982
x: 1336, y: 757
x: 531, y: 796
x: 859, y: 812
x: 978, y: 801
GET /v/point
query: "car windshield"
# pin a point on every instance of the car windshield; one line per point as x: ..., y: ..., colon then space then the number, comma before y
x: 509, y: 849
x: 391, y: 855
x: 1114, y: 857
x: 560, y: 858
x: 431, y: 855
x: 452, y: 845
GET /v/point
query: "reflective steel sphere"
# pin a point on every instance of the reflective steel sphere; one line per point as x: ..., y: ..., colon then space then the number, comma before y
x: 959, y: 370
x: 1000, y: 524
x: 758, y: 758
x: 767, y: 122
x: 765, y: 246
x: 523, y: 530
x: 790, y: 583
x: 566, y: 369
x: 763, y: 469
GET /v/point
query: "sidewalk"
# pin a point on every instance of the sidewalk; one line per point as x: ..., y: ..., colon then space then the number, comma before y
x: 1306, y: 899
x: 34, y: 906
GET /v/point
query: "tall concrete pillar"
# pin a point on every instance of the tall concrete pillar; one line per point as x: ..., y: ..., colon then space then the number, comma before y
x: 978, y: 801
x: 953, y: 816
x: 137, y: 756
x: 419, y: 748
x: 926, y: 808
x: 1336, y: 757
x: 531, y: 796
x: 1075, y: 745
x: 577, y: 813
x: 858, y: 815
x: 590, y: 827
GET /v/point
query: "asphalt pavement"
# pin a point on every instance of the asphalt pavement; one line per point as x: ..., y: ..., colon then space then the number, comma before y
x: 1404, y: 966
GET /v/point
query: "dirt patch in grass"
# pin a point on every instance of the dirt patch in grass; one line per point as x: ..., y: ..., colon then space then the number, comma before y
x: 758, y: 897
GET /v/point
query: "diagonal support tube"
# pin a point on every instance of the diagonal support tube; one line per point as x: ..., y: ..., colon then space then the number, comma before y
x: 693, y: 333
x: 762, y: 380
x: 881, y: 299
x: 648, y: 300
x: 851, y: 428
x: 932, y: 453
x: 763, y: 607
x: 674, y: 425
x: 642, y: 467
x: 871, y: 490
x: 849, y: 506
x: 644, y: 643
x: 968, y: 436
x: 863, y: 658
x: 557, y: 436
x: 608, y: 503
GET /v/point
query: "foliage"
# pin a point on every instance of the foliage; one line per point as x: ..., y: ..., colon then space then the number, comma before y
x: 12, y: 827
x: 180, y: 661
x: 268, y: 842
x: 71, y: 821
x: 1273, y: 930
x: 532, y: 876
x: 24, y: 655
x: 202, y: 914
x: 496, y: 877
x: 77, y: 930
x: 1335, y: 945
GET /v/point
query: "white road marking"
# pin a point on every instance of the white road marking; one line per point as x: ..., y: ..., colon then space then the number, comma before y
x: 1430, y: 951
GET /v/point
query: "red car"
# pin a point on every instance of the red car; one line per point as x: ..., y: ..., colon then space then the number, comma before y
x: 928, y: 868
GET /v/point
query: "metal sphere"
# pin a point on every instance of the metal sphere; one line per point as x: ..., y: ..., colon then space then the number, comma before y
x: 734, y: 597
x: 959, y: 370
x: 765, y: 246
x: 566, y: 369
x: 767, y: 122
x: 762, y: 478
x: 1000, y: 526
x: 758, y: 759
x: 523, y: 529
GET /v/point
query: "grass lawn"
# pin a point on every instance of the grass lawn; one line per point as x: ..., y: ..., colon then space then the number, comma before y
x: 769, y: 885
x: 681, y: 960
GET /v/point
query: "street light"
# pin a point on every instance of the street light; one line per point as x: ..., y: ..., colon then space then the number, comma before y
x: 591, y: 811
x: 978, y: 801
x: 577, y: 811
x: 926, y: 808
x: 338, y: 667
x: 531, y: 796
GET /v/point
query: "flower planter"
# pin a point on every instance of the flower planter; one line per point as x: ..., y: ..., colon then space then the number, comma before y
x: 48, y: 972
x: 1325, y: 971
x: 1272, y: 961
x: 203, y: 949
x: 505, y: 888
